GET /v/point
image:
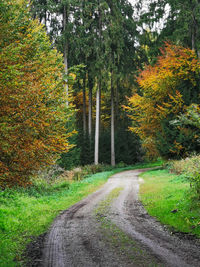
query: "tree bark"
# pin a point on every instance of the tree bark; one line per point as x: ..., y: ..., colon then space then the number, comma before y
x: 112, y: 124
x: 96, y: 150
x: 65, y: 19
x: 84, y: 106
x: 98, y: 95
x: 90, y: 85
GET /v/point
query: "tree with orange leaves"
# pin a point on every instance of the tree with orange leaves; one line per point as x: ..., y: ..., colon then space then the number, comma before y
x: 165, y: 90
x: 33, y: 110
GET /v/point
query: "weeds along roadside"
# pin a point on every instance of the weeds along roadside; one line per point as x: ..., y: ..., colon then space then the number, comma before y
x: 190, y: 169
x: 27, y: 213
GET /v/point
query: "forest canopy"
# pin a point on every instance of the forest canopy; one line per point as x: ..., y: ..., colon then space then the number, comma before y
x: 78, y: 70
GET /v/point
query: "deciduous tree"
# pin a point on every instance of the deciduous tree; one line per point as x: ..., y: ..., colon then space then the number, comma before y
x: 165, y: 90
x: 33, y: 110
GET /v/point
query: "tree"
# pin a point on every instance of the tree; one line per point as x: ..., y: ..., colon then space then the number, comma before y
x: 165, y: 90
x: 170, y: 20
x: 100, y: 13
x: 185, y: 18
x: 120, y: 33
x: 32, y: 100
x: 101, y: 34
x: 190, y: 117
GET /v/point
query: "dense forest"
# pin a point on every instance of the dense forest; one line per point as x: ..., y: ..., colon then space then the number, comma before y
x: 92, y: 90
x: 101, y: 81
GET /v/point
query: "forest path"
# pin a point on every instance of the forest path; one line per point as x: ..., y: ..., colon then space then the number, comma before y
x: 111, y: 228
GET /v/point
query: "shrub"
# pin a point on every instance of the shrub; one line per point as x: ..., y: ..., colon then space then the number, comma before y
x: 190, y: 167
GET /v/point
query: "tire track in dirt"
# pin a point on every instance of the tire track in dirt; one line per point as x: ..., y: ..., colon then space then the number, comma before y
x: 77, y: 239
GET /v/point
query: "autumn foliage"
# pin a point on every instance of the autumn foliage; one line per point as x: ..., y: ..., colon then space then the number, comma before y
x: 166, y: 89
x: 33, y: 109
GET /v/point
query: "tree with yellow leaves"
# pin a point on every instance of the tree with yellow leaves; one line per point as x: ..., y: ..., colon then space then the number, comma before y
x: 166, y: 89
x: 33, y: 111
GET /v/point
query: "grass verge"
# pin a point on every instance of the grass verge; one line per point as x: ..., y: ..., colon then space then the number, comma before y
x: 27, y: 213
x: 168, y: 197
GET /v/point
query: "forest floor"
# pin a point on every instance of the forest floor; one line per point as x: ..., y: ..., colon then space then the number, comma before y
x: 112, y: 228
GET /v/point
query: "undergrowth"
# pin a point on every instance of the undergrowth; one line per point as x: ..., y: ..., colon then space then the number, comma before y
x: 190, y: 168
x: 29, y: 212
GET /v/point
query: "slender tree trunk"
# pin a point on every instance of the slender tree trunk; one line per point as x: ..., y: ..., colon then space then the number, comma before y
x: 116, y: 96
x: 90, y: 85
x: 96, y: 150
x: 98, y: 95
x: 112, y: 124
x: 65, y: 19
x: 195, y: 32
x: 193, y: 38
x: 84, y: 106
x: 100, y: 110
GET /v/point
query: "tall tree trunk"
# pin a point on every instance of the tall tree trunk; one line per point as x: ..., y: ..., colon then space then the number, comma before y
x: 84, y: 106
x: 193, y: 40
x: 98, y: 94
x: 98, y: 101
x: 112, y: 123
x: 90, y: 86
x: 116, y: 96
x: 45, y: 15
x: 65, y: 20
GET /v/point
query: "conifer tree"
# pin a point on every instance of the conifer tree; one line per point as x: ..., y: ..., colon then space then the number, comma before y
x: 101, y: 34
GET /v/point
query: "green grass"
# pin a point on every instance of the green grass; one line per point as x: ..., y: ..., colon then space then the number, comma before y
x: 27, y: 213
x: 163, y: 192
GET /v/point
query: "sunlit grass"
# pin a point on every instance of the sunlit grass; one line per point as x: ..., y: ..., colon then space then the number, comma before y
x: 167, y: 197
x: 24, y: 216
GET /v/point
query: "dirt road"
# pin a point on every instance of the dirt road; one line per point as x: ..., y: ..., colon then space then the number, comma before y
x: 111, y: 228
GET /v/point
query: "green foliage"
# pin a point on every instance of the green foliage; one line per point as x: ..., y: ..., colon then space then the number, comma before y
x: 127, y: 150
x: 101, y: 35
x: 195, y: 182
x: 184, y: 20
x: 190, y: 167
x: 168, y: 20
x: 191, y: 117
x: 27, y: 213
x: 71, y: 159
x: 176, y: 142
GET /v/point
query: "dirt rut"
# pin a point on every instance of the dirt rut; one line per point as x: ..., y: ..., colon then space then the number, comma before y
x: 77, y: 238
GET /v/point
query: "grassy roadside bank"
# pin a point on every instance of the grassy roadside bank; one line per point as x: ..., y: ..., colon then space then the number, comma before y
x: 167, y: 197
x: 25, y: 213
